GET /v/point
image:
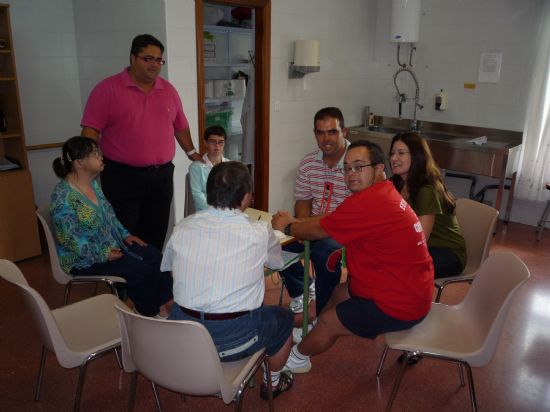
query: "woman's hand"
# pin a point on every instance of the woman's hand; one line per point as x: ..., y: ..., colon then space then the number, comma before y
x: 130, y: 240
x: 114, y: 254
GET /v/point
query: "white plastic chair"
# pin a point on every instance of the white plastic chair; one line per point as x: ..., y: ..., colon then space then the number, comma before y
x: 477, y: 223
x: 467, y: 333
x: 181, y: 356
x: 76, y: 333
x: 44, y: 217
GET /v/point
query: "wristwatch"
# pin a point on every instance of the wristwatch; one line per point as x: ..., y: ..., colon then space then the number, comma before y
x: 191, y: 152
x: 286, y: 231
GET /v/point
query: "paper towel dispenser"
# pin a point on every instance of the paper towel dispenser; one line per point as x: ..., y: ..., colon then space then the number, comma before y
x: 306, y: 59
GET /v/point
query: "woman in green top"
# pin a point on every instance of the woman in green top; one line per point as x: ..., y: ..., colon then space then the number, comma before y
x: 418, y: 179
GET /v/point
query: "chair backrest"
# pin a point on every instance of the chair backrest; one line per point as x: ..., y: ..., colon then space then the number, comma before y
x: 189, y: 206
x: 45, y: 219
x: 45, y: 323
x: 477, y: 222
x: 178, y: 355
x: 489, y: 299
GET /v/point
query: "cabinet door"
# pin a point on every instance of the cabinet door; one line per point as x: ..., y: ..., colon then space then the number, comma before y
x: 18, y: 225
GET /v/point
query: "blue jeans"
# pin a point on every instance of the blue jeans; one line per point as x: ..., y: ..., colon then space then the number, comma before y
x: 147, y: 286
x: 266, y: 327
x: 446, y: 263
x: 326, y: 259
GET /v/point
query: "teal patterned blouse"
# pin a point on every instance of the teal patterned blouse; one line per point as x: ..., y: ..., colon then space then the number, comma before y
x: 85, y: 232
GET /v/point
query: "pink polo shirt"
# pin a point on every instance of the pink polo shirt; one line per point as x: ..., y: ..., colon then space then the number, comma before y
x: 136, y: 129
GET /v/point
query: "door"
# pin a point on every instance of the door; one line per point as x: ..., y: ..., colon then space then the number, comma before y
x: 238, y: 44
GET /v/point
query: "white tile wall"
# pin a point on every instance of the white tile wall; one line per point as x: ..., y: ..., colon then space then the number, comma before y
x: 346, y: 31
x: 71, y: 45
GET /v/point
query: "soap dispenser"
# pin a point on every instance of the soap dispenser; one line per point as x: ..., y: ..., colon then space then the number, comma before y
x: 441, y: 100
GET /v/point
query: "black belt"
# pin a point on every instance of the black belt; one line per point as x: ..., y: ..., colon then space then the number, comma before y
x: 151, y: 168
x: 213, y: 316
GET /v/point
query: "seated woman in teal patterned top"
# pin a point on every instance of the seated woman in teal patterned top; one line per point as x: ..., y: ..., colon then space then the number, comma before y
x: 92, y: 241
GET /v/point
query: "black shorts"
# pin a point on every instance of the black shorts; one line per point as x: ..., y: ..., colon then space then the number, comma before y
x: 363, y: 318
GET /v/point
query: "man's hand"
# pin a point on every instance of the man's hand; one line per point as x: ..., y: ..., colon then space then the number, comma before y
x: 114, y: 254
x: 196, y: 156
x: 281, y: 219
x: 130, y: 240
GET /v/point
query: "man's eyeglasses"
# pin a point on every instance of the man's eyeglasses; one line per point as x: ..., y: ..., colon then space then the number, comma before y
x: 215, y: 142
x: 354, y: 169
x: 151, y: 59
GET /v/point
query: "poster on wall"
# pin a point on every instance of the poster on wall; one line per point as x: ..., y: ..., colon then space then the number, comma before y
x: 489, y: 68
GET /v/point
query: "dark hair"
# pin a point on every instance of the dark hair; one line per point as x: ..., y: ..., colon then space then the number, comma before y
x: 326, y: 112
x: 141, y: 41
x: 227, y: 184
x: 217, y: 130
x: 423, y: 171
x: 75, y: 148
x: 376, y: 155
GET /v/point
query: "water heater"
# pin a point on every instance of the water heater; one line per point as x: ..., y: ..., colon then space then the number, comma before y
x: 405, y: 21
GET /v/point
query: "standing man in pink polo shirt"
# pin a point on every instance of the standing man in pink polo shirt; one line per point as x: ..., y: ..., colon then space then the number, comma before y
x: 135, y: 116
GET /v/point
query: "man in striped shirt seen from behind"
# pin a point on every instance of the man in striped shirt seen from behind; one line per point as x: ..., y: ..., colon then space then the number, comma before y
x: 217, y: 259
x: 319, y: 189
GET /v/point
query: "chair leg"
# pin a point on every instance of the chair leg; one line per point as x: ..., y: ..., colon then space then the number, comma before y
x: 80, y: 385
x: 542, y: 221
x: 282, y: 290
x: 67, y: 291
x: 471, y: 385
x: 398, y: 381
x: 157, y: 398
x: 267, y: 371
x: 133, y: 387
x: 439, y: 292
x: 382, y: 359
x: 40, y: 373
x: 461, y: 374
x: 118, y: 359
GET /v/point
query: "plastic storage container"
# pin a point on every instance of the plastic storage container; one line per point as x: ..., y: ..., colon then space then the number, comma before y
x: 222, y: 118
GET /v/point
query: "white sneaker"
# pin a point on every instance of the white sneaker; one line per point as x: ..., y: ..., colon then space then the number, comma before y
x: 297, y: 366
x: 297, y: 333
x: 297, y: 303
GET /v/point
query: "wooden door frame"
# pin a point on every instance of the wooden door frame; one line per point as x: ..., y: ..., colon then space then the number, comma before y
x: 262, y: 39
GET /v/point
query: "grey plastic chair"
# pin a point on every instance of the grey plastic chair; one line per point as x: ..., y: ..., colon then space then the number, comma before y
x: 44, y: 217
x: 477, y: 223
x: 76, y: 333
x: 181, y: 356
x: 468, y: 333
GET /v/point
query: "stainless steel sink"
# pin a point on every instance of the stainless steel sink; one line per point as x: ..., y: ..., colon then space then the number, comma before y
x: 383, y: 129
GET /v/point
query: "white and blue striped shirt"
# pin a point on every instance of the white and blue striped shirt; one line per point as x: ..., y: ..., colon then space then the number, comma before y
x: 217, y: 260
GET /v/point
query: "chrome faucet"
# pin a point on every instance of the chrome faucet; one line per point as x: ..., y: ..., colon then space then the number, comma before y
x: 402, y: 98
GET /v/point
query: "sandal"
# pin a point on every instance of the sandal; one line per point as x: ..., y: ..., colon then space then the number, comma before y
x: 285, y: 383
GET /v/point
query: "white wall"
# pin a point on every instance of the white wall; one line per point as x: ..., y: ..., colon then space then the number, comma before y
x: 357, y: 62
x: 452, y: 36
x: 182, y: 73
x: 346, y: 30
x: 44, y: 40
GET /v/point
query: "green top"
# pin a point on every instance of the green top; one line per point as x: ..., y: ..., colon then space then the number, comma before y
x: 446, y: 230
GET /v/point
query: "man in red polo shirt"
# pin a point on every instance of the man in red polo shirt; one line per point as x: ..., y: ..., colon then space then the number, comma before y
x: 390, y: 272
x: 135, y: 115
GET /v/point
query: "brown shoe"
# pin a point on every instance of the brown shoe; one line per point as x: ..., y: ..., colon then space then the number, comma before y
x: 285, y: 383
